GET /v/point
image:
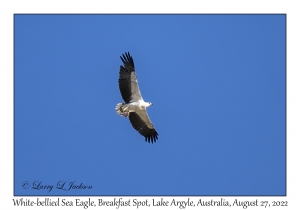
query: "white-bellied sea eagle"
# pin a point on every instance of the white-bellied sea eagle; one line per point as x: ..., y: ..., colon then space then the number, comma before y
x: 134, y: 106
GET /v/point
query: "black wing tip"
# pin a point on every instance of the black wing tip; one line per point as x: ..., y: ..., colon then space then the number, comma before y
x: 126, y: 59
x: 152, y: 138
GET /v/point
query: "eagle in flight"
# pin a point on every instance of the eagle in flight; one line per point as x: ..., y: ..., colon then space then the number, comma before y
x: 134, y: 107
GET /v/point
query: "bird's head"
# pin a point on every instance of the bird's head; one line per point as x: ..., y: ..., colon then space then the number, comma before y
x: 148, y: 104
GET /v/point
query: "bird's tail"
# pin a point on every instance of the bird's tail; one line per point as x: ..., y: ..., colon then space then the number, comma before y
x: 119, y: 109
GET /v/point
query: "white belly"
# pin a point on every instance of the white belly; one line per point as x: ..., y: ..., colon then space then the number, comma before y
x: 134, y: 106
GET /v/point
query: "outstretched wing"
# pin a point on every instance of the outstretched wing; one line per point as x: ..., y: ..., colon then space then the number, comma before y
x: 141, y: 122
x: 128, y: 83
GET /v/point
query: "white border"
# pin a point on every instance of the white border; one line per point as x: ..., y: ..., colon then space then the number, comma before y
x: 8, y: 8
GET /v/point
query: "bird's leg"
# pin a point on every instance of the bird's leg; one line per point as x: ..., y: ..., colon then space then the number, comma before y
x: 127, y: 114
x: 125, y: 111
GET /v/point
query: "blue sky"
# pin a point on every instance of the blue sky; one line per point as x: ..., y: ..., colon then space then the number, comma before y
x: 217, y: 82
